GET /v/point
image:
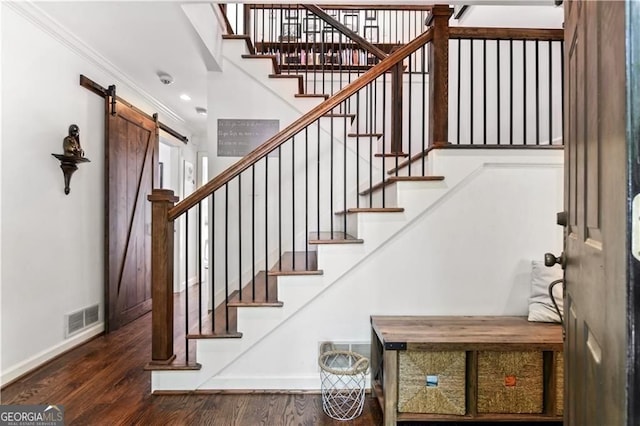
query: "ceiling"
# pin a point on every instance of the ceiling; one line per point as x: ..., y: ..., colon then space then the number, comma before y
x: 141, y: 39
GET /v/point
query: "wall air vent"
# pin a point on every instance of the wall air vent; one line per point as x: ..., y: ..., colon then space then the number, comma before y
x: 79, y: 320
x: 91, y: 315
x: 361, y: 348
x: 75, y: 322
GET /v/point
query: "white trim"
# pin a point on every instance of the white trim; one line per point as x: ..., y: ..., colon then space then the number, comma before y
x: 1, y: 136
x: 308, y: 383
x: 37, y: 360
x: 193, y: 280
x: 239, y: 383
x: 42, y: 20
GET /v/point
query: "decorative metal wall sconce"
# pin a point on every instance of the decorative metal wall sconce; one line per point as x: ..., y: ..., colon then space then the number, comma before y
x: 73, y: 154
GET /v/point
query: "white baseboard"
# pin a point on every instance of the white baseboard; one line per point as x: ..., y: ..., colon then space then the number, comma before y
x: 192, y: 281
x: 37, y: 360
x: 293, y: 383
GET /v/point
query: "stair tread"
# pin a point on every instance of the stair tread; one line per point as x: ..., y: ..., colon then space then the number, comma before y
x: 258, y: 56
x: 228, y: 335
x: 333, y: 238
x: 273, y: 58
x: 262, y: 296
x: 372, y: 210
x: 394, y: 179
x: 312, y: 95
x: 174, y: 366
x: 413, y: 158
x: 391, y: 154
x: 246, y: 38
x: 293, y: 263
x: 330, y: 115
x: 365, y: 135
x: 217, y: 330
x: 299, y: 77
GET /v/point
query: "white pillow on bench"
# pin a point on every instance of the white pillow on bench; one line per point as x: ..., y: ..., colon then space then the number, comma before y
x: 541, y: 307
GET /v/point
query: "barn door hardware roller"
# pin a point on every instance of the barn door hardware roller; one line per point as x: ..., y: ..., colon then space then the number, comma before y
x: 112, y: 94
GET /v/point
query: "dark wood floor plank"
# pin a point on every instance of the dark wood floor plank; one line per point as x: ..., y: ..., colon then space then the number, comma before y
x: 104, y: 382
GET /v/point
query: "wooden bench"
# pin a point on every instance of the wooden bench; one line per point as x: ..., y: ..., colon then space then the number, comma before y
x: 477, y: 342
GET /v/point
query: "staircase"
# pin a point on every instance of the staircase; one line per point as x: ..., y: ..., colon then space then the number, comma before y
x: 329, y: 197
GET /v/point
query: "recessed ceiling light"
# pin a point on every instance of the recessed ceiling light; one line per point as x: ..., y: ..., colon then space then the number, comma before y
x: 201, y: 111
x: 185, y: 97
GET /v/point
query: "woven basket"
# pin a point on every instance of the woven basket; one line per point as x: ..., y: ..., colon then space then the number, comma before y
x: 510, y: 382
x: 343, y: 375
x: 559, y: 361
x: 445, y: 392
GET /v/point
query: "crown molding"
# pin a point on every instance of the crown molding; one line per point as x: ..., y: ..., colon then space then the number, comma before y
x: 42, y: 20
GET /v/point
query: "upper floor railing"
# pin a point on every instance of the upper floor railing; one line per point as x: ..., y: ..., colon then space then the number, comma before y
x: 505, y: 86
x: 330, y: 46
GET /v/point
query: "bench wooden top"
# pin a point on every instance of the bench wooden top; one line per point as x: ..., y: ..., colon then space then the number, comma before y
x: 465, y: 333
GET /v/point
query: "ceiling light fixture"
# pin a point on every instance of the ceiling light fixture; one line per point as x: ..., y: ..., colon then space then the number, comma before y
x: 201, y: 111
x: 185, y: 97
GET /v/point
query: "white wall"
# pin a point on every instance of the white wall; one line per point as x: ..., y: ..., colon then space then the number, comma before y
x: 54, y: 264
x: 186, y: 153
x: 512, y: 16
x: 468, y: 254
x: 1, y: 204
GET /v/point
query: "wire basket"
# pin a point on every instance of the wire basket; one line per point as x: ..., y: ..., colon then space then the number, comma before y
x: 343, y: 377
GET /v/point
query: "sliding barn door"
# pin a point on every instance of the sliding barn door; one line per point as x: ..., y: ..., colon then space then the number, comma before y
x: 131, y: 172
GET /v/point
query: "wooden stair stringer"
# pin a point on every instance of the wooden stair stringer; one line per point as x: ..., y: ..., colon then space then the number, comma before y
x: 283, y: 86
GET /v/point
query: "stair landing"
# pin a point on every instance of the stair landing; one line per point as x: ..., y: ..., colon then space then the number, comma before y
x: 297, y: 263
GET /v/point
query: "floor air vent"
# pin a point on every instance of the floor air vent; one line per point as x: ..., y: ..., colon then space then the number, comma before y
x: 79, y: 320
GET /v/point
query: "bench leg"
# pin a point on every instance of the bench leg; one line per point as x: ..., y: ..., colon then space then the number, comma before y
x: 390, y: 360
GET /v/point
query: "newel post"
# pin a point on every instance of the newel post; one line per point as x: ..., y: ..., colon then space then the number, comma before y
x: 162, y: 276
x: 439, y: 76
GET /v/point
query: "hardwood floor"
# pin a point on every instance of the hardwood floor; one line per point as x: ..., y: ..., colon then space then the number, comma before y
x: 103, y: 383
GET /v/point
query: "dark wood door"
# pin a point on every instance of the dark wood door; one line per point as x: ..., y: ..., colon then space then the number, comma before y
x: 595, y: 199
x: 131, y: 171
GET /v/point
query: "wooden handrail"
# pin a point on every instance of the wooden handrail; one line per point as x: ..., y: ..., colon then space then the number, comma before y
x: 223, y: 9
x: 294, y: 128
x: 359, y: 40
x: 487, y: 33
